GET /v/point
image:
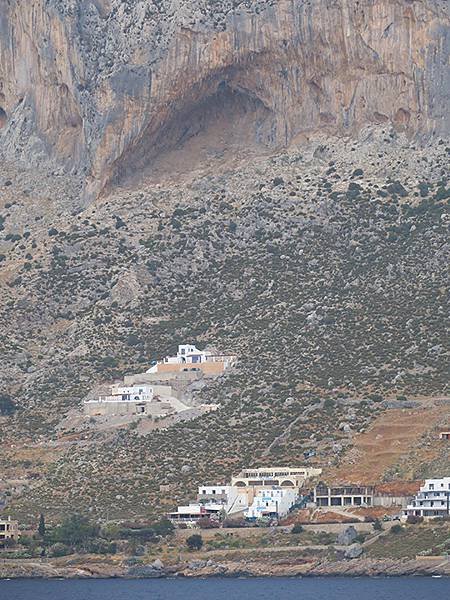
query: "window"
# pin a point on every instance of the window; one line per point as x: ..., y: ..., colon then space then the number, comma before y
x: 431, y: 486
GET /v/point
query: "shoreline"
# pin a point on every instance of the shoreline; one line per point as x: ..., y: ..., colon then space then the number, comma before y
x: 48, y: 570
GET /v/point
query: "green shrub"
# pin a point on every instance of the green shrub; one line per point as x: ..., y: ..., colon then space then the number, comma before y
x: 109, y: 362
x: 163, y: 527
x: 396, y: 188
x: 100, y: 546
x: 377, y: 526
x: 194, y: 542
x: 59, y: 549
x: 132, y: 340
x: 7, y: 406
x: 298, y: 528
x: 413, y: 519
x: 396, y: 529
x: 75, y: 530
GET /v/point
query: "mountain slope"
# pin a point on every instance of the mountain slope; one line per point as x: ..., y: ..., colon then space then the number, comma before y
x: 323, y: 268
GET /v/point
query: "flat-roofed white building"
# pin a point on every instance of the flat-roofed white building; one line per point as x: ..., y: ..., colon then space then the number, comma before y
x: 231, y: 497
x: 189, y: 357
x: 122, y: 400
x: 432, y: 500
x: 273, y: 503
x: 191, y: 513
x: 212, y: 501
x: 275, y: 476
x: 134, y: 393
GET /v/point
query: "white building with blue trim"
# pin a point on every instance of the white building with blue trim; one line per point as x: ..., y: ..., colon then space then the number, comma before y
x: 272, y: 503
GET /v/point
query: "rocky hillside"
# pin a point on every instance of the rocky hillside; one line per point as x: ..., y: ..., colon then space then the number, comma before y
x: 322, y: 268
x: 102, y: 87
x: 274, y: 182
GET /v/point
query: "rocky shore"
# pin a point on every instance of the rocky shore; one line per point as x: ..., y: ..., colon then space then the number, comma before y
x: 76, y: 568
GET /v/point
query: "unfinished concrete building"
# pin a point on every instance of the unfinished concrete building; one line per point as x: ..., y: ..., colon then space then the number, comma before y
x: 343, y: 495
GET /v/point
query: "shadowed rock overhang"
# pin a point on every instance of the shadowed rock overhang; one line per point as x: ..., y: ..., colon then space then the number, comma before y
x: 103, y: 87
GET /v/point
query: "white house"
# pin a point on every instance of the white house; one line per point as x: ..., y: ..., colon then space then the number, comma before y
x: 212, y: 500
x: 272, y: 503
x: 134, y: 393
x: 122, y: 400
x: 121, y: 393
x: 191, y: 513
x: 231, y: 498
x: 188, y: 356
x: 432, y: 500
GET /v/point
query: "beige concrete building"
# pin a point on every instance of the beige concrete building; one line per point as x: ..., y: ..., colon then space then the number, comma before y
x: 9, y: 530
x: 275, y: 476
x: 343, y: 495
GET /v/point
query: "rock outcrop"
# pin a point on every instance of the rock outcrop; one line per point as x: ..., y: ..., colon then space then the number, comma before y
x: 347, y: 537
x: 102, y: 87
x: 354, y: 551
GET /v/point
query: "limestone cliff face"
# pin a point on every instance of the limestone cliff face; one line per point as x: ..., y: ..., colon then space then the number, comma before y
x: 103, y: 86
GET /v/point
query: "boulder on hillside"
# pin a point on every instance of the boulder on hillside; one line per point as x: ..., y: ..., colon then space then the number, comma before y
x: 353, y: 551
x: 347, y: 537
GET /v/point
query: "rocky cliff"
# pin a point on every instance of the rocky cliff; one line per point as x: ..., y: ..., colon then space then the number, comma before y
x: 103, y: 86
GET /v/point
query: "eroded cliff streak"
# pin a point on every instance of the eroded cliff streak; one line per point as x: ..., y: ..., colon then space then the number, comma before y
x: 103, y: 86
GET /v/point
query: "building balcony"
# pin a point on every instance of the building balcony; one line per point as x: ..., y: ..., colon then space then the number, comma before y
x: 208, y: 498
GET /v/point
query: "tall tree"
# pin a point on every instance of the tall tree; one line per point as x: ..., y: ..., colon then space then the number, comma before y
x: 41, y: 527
